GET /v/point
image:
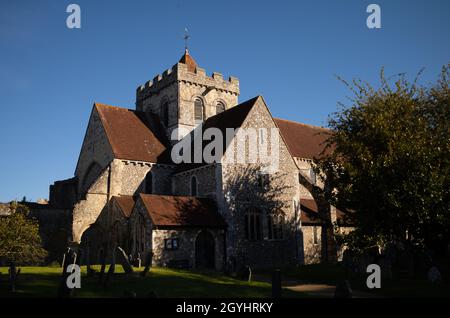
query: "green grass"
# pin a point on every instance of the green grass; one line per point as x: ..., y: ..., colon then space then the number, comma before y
x: 44, y: 282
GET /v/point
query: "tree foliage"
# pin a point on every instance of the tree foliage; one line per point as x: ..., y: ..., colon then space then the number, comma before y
x: 19, y: 237
x: 390, y: 163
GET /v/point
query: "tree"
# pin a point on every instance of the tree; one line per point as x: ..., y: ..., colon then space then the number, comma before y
x: 389, y: 167
x: 322, y: 195
x: 19, y: 237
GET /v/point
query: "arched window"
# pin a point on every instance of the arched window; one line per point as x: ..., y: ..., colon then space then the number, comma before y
x: 253, y: 228
x: 194, y: 186
x: 264, y: 180
x: 149, y: 183
x: 275, y: 224
x: 198, y: 110
x: 165, y: 113
x: 220, y: 107
x: 315, y: 235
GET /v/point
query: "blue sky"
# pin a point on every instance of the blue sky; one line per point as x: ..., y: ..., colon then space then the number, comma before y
x: 287, y: 51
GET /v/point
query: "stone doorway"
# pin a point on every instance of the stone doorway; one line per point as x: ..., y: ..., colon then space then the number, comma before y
x: 204, y: 250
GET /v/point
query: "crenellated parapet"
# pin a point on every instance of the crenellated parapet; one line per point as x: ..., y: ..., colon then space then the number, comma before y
x: 180, y: 73
x: 158, y: 83
x: 216, y: 80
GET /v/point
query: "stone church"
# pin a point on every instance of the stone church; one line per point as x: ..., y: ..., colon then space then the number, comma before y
x: 127, y: 191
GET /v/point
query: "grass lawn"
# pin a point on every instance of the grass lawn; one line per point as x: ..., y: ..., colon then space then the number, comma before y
x: 399, y: 287
x: 44, y: 282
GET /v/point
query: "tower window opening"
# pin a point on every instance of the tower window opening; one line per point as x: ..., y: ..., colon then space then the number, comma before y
x: 198, y: 111
x: 165, y: 113
x: 220, y: 107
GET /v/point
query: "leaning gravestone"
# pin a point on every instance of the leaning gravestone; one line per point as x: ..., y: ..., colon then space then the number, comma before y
x: 69, y: 258
x: 148, y: 264
x: 123, y: 259
x: 434, y: 275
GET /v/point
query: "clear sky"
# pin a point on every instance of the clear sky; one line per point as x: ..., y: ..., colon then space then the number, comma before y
x: 287, y: 51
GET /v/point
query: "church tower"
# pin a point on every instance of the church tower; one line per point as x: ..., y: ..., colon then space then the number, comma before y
x: 184, y: 96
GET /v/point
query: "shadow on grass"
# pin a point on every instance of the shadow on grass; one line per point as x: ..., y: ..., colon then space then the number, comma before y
x: 396, y: 287
x: 43, y: 282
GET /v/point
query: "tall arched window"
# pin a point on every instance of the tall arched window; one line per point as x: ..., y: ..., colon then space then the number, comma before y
x: 198, y: 110
x: 220, y: 107
x: 149, y: 183
x: 253, y: 228
x: 275, y: 224
x: 194, y: 186
x: 315, y: 235
x: 165, y: 113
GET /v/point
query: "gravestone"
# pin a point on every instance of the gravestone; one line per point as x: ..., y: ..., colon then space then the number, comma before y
x: 434, y: 275
x: 123, y: 259
x: 276, y: 283
x: 249, y: 274
x: 70, y: 257
x: 148, y: 264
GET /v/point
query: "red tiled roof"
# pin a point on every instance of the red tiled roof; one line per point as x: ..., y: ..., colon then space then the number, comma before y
x: 129, y: 134
x: 125, y: 203
x: 303, y: 141
x: 230, y: 118
x: 343, y: 219
x: 167, y: 210
x: 309, y: 212
x: 189, y: 61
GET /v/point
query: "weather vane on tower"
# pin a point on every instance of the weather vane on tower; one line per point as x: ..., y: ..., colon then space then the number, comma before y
x: 186, y: 38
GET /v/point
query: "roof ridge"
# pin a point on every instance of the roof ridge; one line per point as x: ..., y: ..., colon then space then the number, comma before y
x: 170, y: 195
x: 130, y: 136
x: 111, y: 106
x: 300, y: 123
x: 124, y: 196
x: 233, y: 108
